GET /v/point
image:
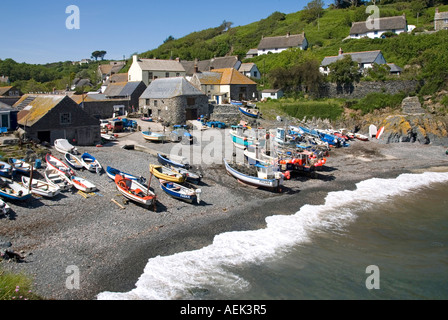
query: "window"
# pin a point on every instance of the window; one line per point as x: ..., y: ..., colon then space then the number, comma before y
x: 167, y: 74
x: 177, y: 74
x: 191, y: 101
x: 255, y: 74
x: 155, y: 103
x: 150, y: 75
x: 212, y: 87
x: 65, y: 118
x: 147, y: 102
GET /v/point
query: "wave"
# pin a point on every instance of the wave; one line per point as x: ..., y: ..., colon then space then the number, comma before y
x: 184, y: 275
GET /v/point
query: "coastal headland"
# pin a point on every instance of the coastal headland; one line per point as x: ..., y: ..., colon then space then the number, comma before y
x: 110, y: 244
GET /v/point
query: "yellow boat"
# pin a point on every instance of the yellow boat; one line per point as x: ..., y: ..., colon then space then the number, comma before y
x: 167, y: 174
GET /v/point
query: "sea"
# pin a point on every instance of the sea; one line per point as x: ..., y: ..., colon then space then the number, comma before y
x: 385, y: 240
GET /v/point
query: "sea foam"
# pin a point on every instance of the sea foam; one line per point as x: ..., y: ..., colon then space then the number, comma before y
x: 181, y: 275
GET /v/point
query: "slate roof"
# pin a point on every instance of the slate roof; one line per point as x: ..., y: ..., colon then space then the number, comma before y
x: 5, y: 107
x: 122, y: 89
x: 4, y: 90
x: 394, y: 67
x: 360, y: 57
x: 208, y: 65
x: 388, y: 23
x: 246, y: 67
x: 165, y: 88
x: 290, y: 41
x: 160, y: 65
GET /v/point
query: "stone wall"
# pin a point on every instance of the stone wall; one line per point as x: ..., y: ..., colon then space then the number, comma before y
x: 363, y: 88
x: 226, y: 113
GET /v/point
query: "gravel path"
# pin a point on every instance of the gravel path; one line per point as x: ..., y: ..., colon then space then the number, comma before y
x: 110, y: 246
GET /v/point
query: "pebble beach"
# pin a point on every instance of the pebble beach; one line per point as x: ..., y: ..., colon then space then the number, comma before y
x: 110, y: 242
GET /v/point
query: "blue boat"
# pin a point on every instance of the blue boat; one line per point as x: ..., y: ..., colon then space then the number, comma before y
x: 250, y: 112
x: 13, y: 190
x: 238, y: 138
x: 6, y: 170
x: 180, y: 192
x: 166, y: 161
x: 20, y: 166
x: 112, y: 172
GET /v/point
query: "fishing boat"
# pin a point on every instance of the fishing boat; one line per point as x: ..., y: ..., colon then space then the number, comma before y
x: 167, y: 161
x: 73, y: 161
x: 20, y: 166
x: 91, y: 163
x: 4, y: 207
x: 239, y: 138
x: 112, y: 172
x: 56, y: 179
x: 40, y: 187
x: 250, y: 112
x: 58, y: 165
x: 165, y: 173
x: 146, y: 119
x: 180, y: 192
x: 258, y: 175
x: 154, y: 137
x: 13, y: 190
x: 135, y: 191
x: 236, y: 102
x: 63, y: 146
x: 82, y: 184
x: 6, y: 170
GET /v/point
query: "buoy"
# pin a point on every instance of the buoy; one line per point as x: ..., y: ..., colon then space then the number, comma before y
x: 99, y: 146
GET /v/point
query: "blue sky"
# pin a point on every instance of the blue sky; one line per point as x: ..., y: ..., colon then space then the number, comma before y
x: 37, y: 33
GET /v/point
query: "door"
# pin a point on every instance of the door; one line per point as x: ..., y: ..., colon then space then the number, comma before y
x: 192, y: 114
x: 44, y: 136
x: 5, y: 121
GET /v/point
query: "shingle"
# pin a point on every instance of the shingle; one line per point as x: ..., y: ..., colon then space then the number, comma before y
x: 360, y: 57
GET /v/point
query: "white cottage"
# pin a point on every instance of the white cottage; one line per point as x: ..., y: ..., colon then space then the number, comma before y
x: 147, y: 70
x: 282, y: 43
x: 365, y: 60
x: 250, y: 70
x: 376, y: 29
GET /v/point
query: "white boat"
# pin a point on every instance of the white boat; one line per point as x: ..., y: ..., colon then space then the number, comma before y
x: 135, y: 191
x: 58, y: 165
x: 153, y: 136
x: 181, y: 192
x: 42, y: 188
x: 20, y: 166
x: 73, y: 161
x: 6, y: 170
x: 108, y: 137
x: 4, y: 207
x: 91, y: 163
x: 56, y: 179
x: 63, y: 146
x: 264, y: 177
x: 82, y: 184
x: 13, y: 190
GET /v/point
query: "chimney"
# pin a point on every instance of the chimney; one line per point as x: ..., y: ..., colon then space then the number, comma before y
x: 340, y: 51
x: 288, y: 34
x: 178, y: 59
x: 135, y: 58
x: 196, y: 68
x: 437, y: 10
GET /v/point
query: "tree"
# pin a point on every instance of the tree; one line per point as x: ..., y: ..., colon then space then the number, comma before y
x: 313, y: 10
x: 344, y: 71
x: 170, y: 38
x: 98, y: 54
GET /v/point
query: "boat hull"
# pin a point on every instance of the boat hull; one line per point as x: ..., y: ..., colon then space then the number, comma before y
x: 90, y: 163
x: 270, y: 184
x: 82, y: 184
x: 189, y: 198
x: 13, y: 190
x: 134, y: 191
x: 165, y: 173
x: 155, y: 137
x: 42, y: 188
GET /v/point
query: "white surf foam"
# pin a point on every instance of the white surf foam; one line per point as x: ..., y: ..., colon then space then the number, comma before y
x: 180, y: 275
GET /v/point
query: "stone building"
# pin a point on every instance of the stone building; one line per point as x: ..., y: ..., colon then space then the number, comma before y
x: 174, y: 101
x: 51, y: 117
x: 440, y: 20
